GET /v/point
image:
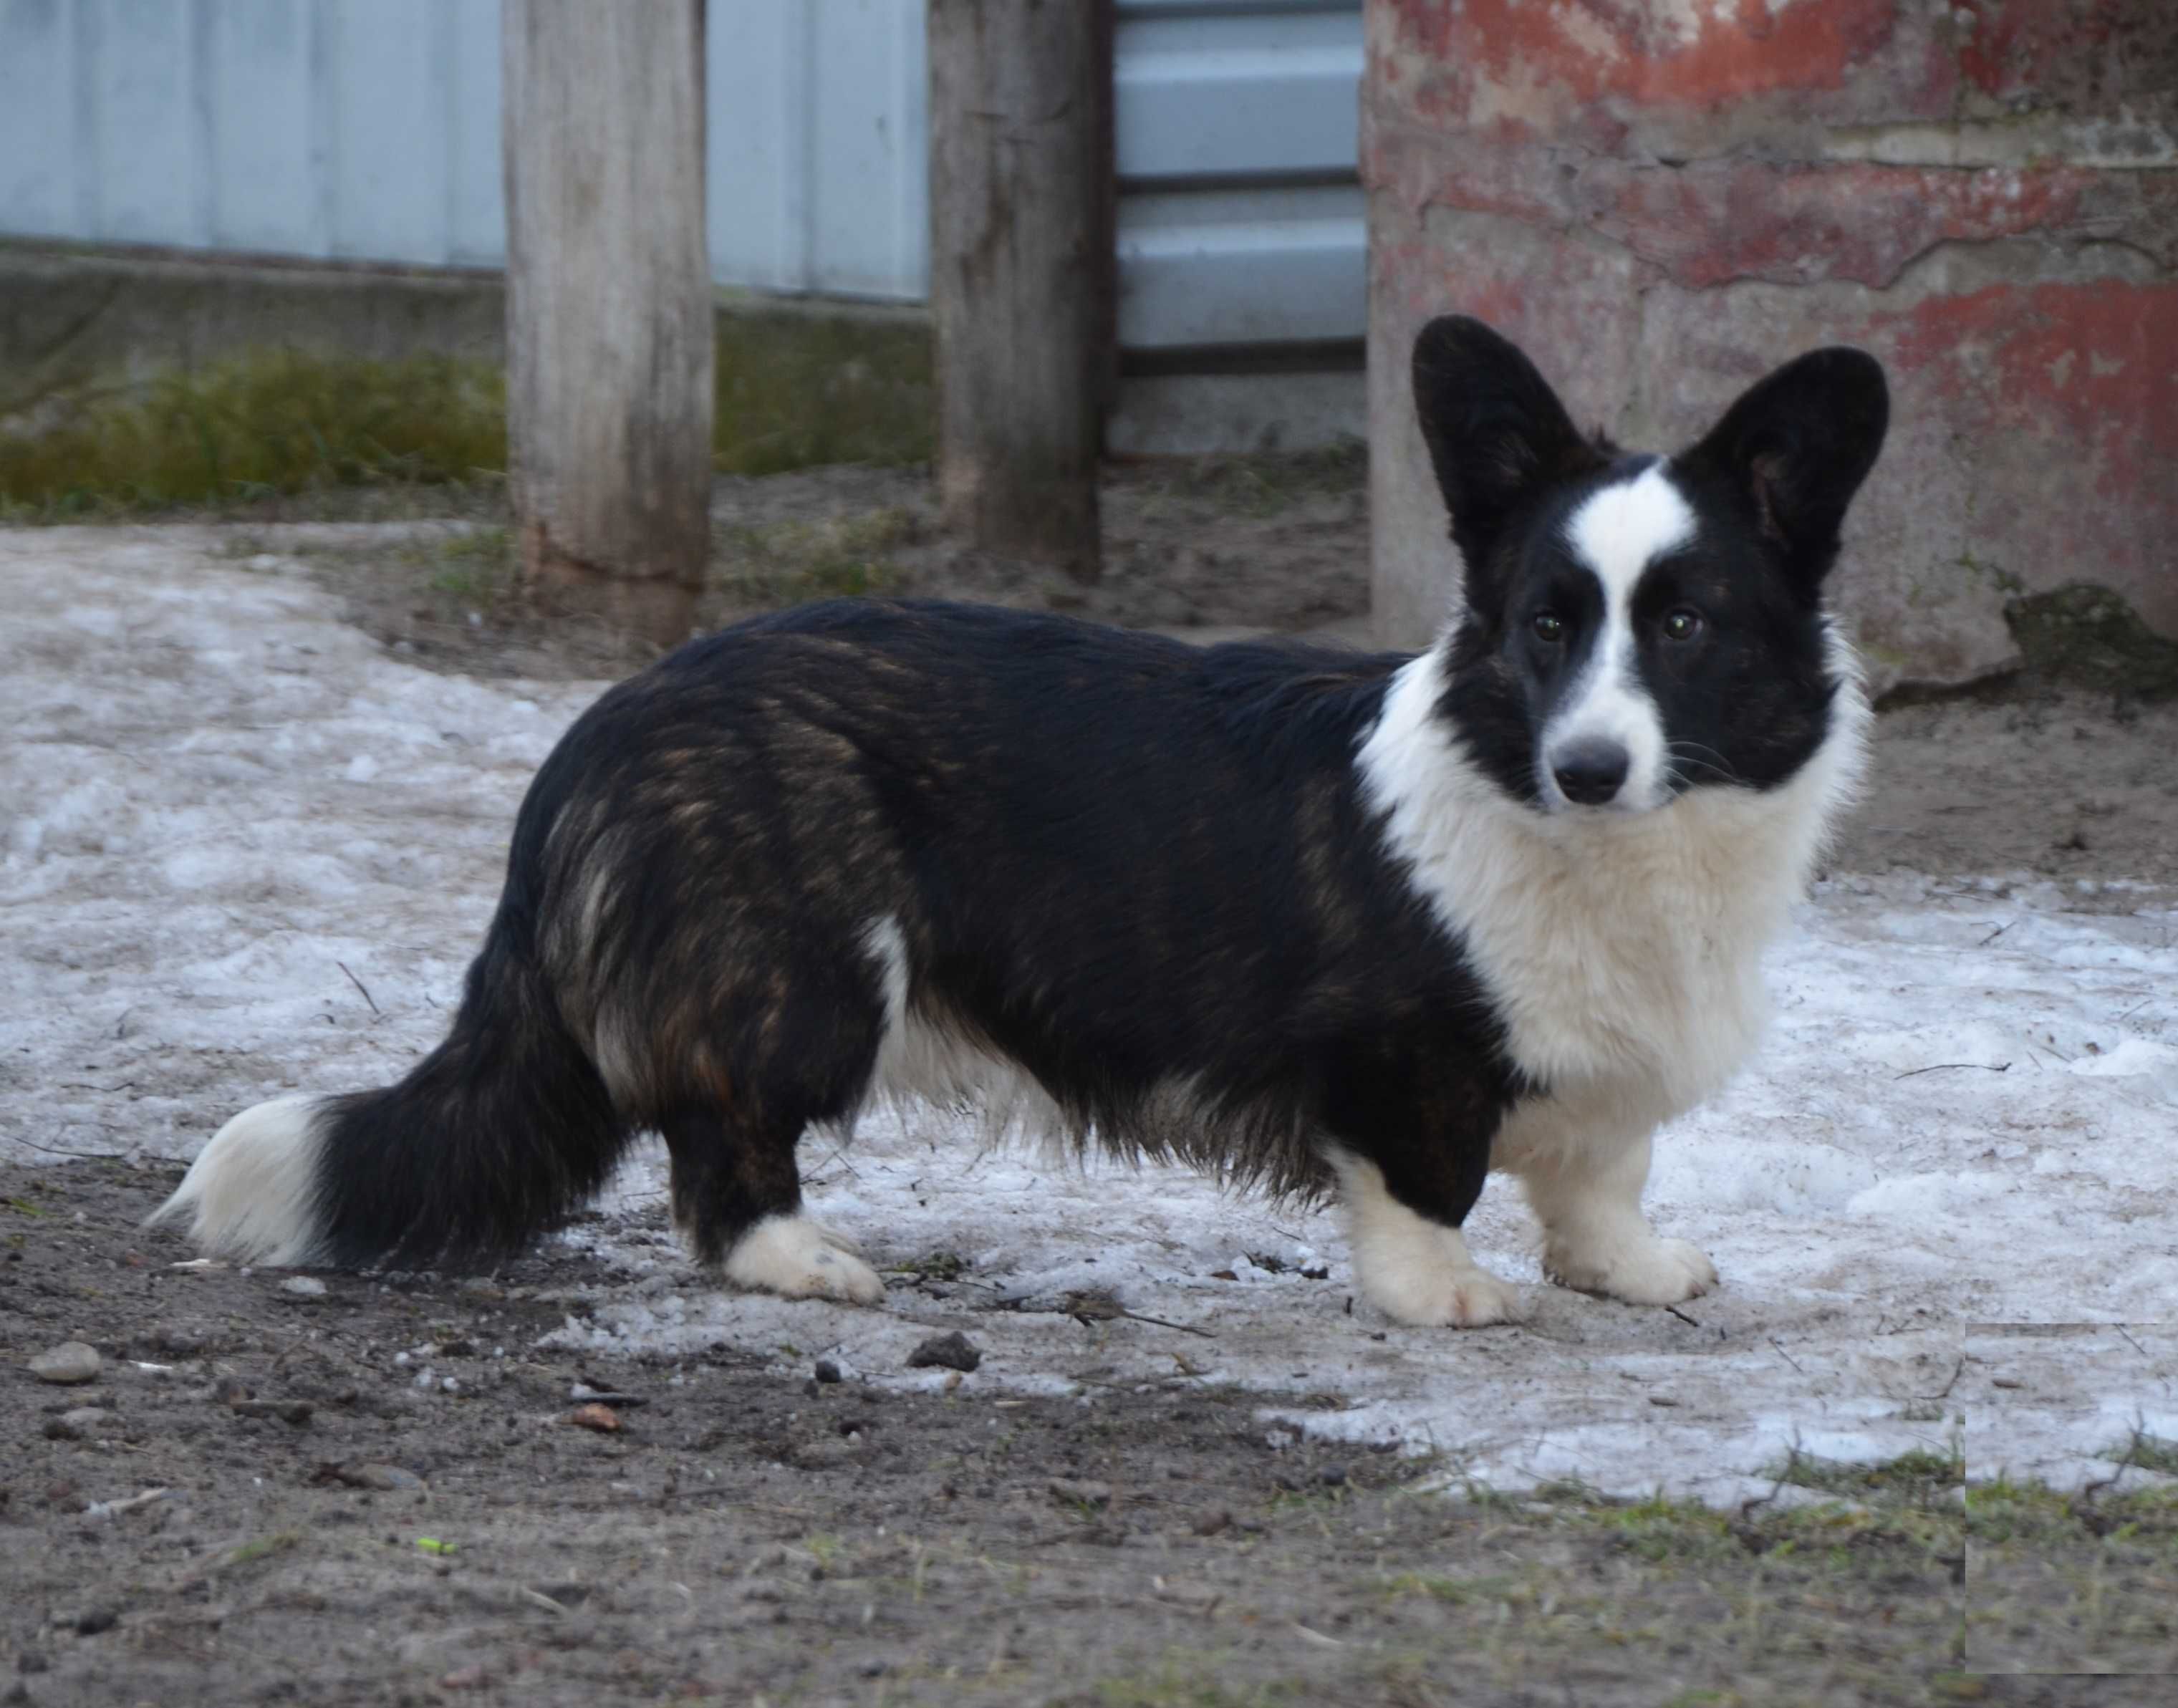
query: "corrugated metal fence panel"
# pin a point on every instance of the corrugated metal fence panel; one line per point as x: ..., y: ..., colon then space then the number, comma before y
x: 818, y: 168
x: 1238, y: 92
x: 476, y: 218
x: 263, y: 167
x: 137, y: 65
x: 362, y: 129
x: 387, y: 71
x: 1240, y: 215
x: 757, y: 141
x: 368, y: 130
x: 870, y: 166
x: 1258, y: 267
x: 37, y: 117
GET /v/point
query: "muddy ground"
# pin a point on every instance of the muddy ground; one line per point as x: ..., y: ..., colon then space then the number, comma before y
x: 376, y: 1493
x: 326, y: 1525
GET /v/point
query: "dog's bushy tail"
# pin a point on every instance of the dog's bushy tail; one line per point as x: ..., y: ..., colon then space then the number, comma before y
x: 493, y: 1137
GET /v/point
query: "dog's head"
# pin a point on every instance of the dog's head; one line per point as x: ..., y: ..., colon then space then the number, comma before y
x: 1635, y: 626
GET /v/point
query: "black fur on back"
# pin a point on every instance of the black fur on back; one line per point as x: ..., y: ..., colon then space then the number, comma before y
x: 1116, y: 859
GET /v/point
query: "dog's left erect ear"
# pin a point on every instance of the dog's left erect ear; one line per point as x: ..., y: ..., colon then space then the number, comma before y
x: 1498, y: 437
x: 1797, y: 446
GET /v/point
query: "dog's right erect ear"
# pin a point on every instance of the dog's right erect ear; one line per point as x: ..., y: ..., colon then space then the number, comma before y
x: 1496, y: 432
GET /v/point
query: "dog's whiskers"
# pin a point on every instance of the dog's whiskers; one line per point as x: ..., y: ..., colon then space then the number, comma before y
x: 1718, y: 765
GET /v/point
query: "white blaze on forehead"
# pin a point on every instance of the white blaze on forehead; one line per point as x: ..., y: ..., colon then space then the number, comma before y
x: 1621, y: 529
x: 1616, y: 533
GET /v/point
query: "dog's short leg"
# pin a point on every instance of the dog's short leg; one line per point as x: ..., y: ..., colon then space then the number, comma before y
x: 1587, y: 1194
x: 737, y: 1197
x: 1415, y: 1269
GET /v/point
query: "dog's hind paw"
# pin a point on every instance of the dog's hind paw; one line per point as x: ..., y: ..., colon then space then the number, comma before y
x: 798, y: 1258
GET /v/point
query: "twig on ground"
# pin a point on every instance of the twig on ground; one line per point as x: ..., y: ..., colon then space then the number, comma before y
x: 1096, y: 1304
x: 1784, y: 1474
x: 90, y: 1155
x: 1945, y: 1392
x: 358, y: 984
x: 1943, y: 1066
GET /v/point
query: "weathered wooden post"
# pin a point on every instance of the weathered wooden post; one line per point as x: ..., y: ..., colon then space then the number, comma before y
x: 1021, y: 269
x: 609, y: 382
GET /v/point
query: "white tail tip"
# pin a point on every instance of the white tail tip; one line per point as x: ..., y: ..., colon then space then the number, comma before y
x: 248, y: 1195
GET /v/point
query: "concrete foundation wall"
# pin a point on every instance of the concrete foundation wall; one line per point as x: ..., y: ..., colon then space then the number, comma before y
x: 810, y: 378
x: 1661, y: 202
x: 74, y: 318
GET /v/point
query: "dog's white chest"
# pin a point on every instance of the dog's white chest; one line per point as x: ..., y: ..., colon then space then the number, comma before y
x: 1619, y: 952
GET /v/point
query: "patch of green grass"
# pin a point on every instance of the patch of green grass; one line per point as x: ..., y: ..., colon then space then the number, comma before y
x: 474, y: 565
x: 933, y: 1266
x: 1890, y: 1519
x: 1260, y: 484
x: 1923, y: 1475
x: 1456, y: 1592
x: 275, y: 423
x: 787, y: 562
x: 1186, y: 1678
x: 1658, y: 1529
x: 264, y: 1547
x: 798, y: 388
x: 794, y: 389
x: 2149, y: 1452
x: 2037, y: 1517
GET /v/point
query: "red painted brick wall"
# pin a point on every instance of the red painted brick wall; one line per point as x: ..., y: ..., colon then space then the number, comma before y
x: 1662, y: 199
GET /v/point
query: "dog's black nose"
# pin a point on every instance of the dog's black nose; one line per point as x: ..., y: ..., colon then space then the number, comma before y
x: 1590, y: 772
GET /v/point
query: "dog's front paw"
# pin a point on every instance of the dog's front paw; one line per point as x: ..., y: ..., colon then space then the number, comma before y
x: 1643, y: 1270
x: 838, y: 1241
x: 1434, y: 1292
x: 797, y: 1258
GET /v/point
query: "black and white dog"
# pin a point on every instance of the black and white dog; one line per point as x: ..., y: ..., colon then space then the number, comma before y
x: 1301, y: 916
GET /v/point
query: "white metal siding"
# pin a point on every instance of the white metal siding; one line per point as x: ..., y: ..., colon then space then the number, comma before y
x: 1244, y: 90
x: 817, y: 168
x: 1237, y: 137
x: 362, y: 129
x: 368, y: 130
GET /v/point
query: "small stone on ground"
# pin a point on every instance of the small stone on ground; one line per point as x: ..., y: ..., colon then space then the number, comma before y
x: 68, y: 1363
x: 954, y: 1351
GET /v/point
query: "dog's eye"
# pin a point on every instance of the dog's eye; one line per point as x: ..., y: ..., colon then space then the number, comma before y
x: 1548, y: 626
x: 1683, y: 625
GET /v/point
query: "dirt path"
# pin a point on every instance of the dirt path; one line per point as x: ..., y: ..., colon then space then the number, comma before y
x: 373, y: 1494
